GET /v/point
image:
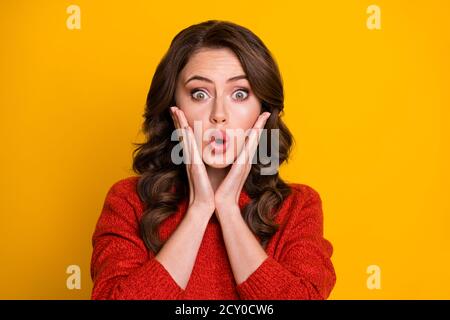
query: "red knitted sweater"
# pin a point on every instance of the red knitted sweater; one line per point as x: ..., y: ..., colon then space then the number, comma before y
x: 298, y: 265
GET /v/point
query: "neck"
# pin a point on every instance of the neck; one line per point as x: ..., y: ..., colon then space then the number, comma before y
x: 216, y: 175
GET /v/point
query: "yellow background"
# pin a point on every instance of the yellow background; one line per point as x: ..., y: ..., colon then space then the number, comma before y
x: 369, y: 110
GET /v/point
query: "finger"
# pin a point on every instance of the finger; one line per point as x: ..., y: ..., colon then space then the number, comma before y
x: 242, y: 166
x: 250, y: 147
x: 199, y: 168
x: 172, y: 114
x: 253, y: 138
x: 258, y: 130
x: 200, y: 180
x: 182, y: 136
x: 196, y: 173
x: 190, y: 182
x: 177, y: 123
x: 190, y: 135
x: 187, y: 147
x: 186, y: 152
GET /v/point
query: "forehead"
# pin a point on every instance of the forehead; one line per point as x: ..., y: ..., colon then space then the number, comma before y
x: 213, y: 63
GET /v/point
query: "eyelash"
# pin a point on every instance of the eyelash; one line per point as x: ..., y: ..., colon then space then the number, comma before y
x: 240, y: 89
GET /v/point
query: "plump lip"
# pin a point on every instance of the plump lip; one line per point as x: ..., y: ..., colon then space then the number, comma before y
x: 219, y: 134
x: 219, y: 147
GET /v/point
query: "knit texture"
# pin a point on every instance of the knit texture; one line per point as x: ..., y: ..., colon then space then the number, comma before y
x: 298, y: 265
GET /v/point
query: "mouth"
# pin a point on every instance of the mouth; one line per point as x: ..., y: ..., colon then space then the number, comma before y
x: 219, y: 141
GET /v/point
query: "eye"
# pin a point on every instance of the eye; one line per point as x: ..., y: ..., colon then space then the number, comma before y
x: 240, y: 94
x: 197, y: 94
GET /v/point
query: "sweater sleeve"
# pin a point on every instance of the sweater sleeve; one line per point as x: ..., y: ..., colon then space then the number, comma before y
x: 303, y: 269
x: 121, y: 267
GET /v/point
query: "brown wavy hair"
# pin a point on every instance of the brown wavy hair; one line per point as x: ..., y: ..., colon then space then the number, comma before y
x: 159, y: 176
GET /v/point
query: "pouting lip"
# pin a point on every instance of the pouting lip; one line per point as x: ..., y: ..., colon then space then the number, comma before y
x: 218, y: 134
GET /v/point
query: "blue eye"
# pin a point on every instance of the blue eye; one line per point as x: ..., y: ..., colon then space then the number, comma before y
x: 199, y: 94
x: 240, y: 94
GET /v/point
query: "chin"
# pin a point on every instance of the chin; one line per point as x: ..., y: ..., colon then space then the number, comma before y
x: 218, y: 161
x: 217, y: 166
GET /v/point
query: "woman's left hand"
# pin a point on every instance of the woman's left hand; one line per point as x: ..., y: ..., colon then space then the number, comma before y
x: 227, y: 194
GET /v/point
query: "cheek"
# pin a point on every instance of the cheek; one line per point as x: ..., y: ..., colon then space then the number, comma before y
x: 248, y: 111
x: 197, y: 120
x: 184, y: 104
x: 245, y: 116
x: 194, y: 118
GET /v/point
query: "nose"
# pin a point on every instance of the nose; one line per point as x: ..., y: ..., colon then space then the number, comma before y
x: 218, y: 119
x: 218, y: 114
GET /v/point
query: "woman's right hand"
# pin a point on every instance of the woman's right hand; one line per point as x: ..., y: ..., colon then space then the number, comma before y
x: 201, y: 194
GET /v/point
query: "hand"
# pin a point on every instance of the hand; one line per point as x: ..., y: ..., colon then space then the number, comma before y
x: 201, y: 194
x: 227, y: 194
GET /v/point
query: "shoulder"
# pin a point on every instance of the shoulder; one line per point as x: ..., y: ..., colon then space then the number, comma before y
x: 303, y: 194
x: 121, y: 210
x: 302, y: 207
x: 125, y: 189
x: 125, y: 186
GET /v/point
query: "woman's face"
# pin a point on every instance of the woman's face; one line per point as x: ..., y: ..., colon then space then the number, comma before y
x: 214, y: 94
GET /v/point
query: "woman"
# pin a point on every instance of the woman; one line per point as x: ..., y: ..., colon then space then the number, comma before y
x: 212, y: 226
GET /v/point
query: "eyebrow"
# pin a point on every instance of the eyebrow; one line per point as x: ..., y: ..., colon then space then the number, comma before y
x: 196, y: 77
